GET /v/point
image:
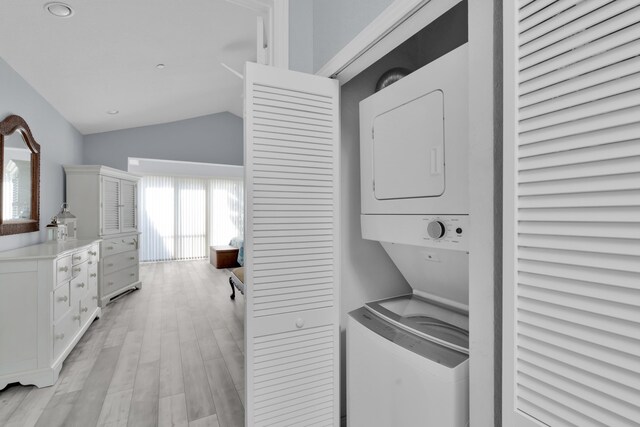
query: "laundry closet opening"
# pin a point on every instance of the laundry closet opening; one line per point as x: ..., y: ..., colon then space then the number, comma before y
x: 372, y: 271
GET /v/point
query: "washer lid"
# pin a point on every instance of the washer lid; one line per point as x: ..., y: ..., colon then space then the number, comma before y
x: 430, y: 320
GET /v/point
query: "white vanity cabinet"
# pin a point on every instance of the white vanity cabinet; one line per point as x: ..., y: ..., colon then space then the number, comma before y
x: 48, y: 299
x: 105, y: 200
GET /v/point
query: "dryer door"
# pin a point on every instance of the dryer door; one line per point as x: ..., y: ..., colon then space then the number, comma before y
x: 408, y: 149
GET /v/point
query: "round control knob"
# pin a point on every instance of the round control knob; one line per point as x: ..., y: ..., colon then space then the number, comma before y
x: 436, y: 229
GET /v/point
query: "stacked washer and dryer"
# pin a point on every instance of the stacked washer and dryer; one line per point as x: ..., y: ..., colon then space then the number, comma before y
x: 408, y: 356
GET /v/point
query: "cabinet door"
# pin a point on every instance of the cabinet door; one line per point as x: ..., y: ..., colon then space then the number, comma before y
x: 129, y: 205
x: 110, y: 205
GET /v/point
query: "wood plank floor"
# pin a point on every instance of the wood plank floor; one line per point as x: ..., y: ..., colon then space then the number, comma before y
x: 170, y: 354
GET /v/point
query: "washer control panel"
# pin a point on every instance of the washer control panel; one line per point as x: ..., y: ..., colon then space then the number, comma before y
x: 446, y: 231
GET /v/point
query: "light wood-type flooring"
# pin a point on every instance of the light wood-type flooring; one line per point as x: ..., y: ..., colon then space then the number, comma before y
x: 170, y: 354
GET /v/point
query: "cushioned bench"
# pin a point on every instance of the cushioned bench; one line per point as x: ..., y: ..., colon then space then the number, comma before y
x: 223, y: 256
x: 236, y: 280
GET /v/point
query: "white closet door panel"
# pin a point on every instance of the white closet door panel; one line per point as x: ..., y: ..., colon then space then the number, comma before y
x: 630, y: 132
x: 591, y: 199
x: 561, y: 76
x: 592, y: 105
x: 582, y: 126
x: 582, y: 155
x: 572, y: 214
x: 540, y: 11
x: 587, y: 229
x: 110, y: 205
x: 573, y: 21
x: 618, y: 36
x: 603, y: 24
x: 291, y: 242
x: 601, y: 76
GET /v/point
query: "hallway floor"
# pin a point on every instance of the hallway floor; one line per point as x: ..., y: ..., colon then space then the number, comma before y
x: 170, y: 354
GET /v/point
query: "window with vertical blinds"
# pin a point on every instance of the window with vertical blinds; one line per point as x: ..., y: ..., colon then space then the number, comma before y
x: 576, y: 214
x: 181, y: 217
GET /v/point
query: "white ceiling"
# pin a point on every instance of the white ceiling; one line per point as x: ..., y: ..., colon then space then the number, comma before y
x: 104, y: 58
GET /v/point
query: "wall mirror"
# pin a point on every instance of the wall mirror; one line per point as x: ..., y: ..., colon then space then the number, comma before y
x: 20, y: 172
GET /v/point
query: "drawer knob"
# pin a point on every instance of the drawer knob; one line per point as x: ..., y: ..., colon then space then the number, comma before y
x: 93, y: 275
x: 64, y: 298
x: 93, y: 253
x: 65, y: 269
x: 132, y: 243
x: 78, y: 269
x: 109, y: 248
x: 299, y: 322
x: 89, y: 262
x: 76, y: 317
x: 132, y: 258
x: 84, y: 309
x: 81, y: 285
x: 59, y: 336
x: 77, y: 257
x: 110, y: 265
x: 132, y: 274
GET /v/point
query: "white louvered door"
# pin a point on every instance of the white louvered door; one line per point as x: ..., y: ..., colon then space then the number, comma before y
x: 571, y: 331
x: 129, y: 205
x: 110, y: 205
x: 291, y: 248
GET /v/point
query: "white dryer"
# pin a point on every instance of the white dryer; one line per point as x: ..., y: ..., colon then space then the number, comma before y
x: 407, y: 364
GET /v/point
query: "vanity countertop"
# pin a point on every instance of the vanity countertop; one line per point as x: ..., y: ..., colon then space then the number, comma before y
x: 46, y: 250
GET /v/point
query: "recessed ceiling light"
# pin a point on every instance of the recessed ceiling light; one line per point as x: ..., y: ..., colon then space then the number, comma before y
x: 113, y: 112
x: 160, y: 66
x: 58, y: 9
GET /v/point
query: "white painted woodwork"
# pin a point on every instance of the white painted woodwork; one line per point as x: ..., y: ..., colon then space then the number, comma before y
x: 46, y: 305
x: 398, y: 22
x: 571, y: 213
x: 105, y: 200
x: 291, y: 247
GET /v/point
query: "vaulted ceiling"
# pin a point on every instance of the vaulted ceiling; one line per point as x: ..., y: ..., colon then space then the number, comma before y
x: 105, y: 57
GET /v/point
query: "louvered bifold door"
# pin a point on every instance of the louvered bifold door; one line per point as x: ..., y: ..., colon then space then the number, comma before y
x: 572, y: 213
x: 291, y: 244
x: 110, y: 205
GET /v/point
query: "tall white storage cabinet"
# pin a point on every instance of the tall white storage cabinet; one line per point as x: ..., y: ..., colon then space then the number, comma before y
x: 105, y: 200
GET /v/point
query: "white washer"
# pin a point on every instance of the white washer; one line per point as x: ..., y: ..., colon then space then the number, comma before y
x: 407, y: 364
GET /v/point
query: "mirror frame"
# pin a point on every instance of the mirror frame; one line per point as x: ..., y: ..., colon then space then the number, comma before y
x: 9, y: 126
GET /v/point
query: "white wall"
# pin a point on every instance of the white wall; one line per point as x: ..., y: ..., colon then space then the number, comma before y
x: 60, y: 144
x: 217, y: 138
x: 301, y: 36
x: 319, y: 29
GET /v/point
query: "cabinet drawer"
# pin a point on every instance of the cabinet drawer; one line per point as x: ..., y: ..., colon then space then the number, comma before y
x: 79, y: 257
x: 61, y: 301
x: 119, y: 261
x: 116, y: 246
x: 63, y: 269
x: 88, y: 305
x: 78, y: 287
x: 64, y: 330
x: 79, y: 270
x: 119, y: 279
x: 92, y: 278
x: 94, y: 254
